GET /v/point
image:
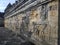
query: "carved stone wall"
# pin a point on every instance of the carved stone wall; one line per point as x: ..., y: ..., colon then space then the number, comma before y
x: 42, y: 21
x: 48, y: 29
x: 53, y: 21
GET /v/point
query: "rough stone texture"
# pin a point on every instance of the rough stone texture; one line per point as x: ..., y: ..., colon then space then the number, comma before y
x: 8, y: 37
x: 53, y: 21
x: 42, y: 21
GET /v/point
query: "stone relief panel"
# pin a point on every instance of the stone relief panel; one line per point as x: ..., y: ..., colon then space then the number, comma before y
x: 12, y: 26
x: 39, y: 28
x: 34, y: 13
x: 44, y: 12
x: 19, y: 21
x: 16, y: 23
x: 34, y: 22
x: 39, y: 31
x: 32, y: 18
x: 53, y: 21
x: 10, y: 23
x: 5, y: 23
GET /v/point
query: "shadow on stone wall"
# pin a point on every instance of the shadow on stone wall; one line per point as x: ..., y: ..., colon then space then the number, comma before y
x: 2, y: 25
x: 27, y: 43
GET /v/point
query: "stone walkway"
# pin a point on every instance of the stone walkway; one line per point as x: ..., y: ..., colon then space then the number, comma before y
x: 7, y: 37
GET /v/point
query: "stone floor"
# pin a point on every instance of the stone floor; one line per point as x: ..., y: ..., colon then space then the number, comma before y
x: 7, y: 37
